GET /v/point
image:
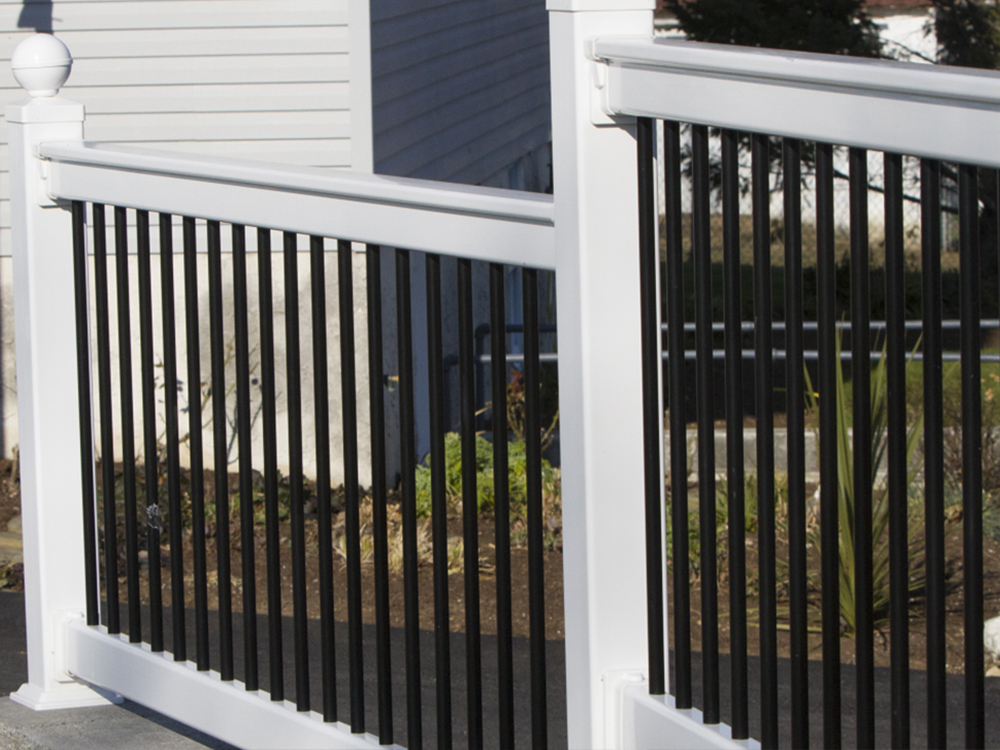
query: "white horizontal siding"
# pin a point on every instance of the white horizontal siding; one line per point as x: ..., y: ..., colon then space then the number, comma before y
x: 197, y: 71
x: 218, y: 126
x: 105, y: 15
x: 258, y: 79
x: 335, y: 153
x: 261, y: 97
x: 460, y: 90
x: 297, y: 40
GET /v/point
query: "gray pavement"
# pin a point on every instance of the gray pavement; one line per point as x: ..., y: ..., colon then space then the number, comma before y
x: 127, y: 726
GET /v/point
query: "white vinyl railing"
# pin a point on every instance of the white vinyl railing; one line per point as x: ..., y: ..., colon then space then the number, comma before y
x: 71, y: 664
x: 906, y: 108
x: 488, y: 224
x: 911, y: 109
x: 605, y: 69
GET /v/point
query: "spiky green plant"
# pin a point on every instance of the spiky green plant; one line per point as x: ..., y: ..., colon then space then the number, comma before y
x: 880, y: 501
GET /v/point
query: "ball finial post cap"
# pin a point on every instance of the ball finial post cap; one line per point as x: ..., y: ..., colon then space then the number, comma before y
x: 41, y: 64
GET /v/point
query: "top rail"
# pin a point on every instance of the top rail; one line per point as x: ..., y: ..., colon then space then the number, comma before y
x: 916, y: 109
x: 490, y: 224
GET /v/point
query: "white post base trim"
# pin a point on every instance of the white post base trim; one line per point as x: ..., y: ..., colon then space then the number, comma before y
x: 200, y: 699
x: 63, y: 695
x: 652, y: 721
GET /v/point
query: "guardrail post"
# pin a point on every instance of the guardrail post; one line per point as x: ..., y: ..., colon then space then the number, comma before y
x: 600, y: 387
x: 48, y: 420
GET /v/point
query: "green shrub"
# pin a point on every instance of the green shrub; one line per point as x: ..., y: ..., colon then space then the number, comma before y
x: 722, y: 520
x: 517, y: 465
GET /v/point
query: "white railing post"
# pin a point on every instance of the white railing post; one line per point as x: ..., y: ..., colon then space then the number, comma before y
x: 600, y: 388
x: 48, y: 420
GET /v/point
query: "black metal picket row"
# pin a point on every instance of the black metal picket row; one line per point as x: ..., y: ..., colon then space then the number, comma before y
x: 664, y: 306
x: 860, y: 365
x: 119, y: 420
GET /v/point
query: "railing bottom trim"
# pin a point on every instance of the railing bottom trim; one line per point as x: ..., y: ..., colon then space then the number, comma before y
x: 224, y: 710
x: 650, y: 721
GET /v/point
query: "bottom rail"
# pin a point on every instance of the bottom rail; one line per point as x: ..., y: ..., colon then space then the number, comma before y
x: 201, y: 700
x: 652, y: 721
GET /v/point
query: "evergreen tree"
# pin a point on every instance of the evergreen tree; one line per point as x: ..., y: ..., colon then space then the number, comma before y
x: 831, y: 26
x: 968, y: 33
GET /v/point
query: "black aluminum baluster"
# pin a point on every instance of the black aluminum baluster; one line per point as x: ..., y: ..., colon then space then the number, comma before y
x: 84, y: 396
x: 127, y: 425
x: 408, y: 499
x: 735, y: 489
x: 175, y: 515
x: 154, y: 512
x: 149, y: 450
x: 276, y: 662
x: 192, y: 319
x: 701, y: 237
x: 533, y: 481
x: 197, y: 486
x: 324, y: 519
x: 862, y: 448
x: 241, y: 336
x: 439, y: 509
x: 764, y: 410
x: 345, y: 281
x: 171, y: 428
x: 300, y: 616
x: 112, y: 617
x: 702, y: 259
x: 896, y: 464
x: 681, y: 684
x: 317, y: 284
x: 220, y: 445
x: 972, y: 453
x: 795, y: 410
x: 930, y: 239
x: 383, y: 661
x: 652, y: 414
x: 828, y: 366
x: 501, y: 505
x: 470, y: 506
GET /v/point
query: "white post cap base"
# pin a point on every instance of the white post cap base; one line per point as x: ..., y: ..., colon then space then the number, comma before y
x: 64, y: 695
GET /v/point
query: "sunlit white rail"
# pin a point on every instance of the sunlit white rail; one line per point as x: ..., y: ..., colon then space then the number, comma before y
x: 490, y: 224
x: 908, y: 108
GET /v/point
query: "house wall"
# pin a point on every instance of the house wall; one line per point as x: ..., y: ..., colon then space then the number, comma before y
x: 453, y: 90
x: 188, y: 391
x: 248, y: 79
x: 267, y: 80
x: 460, y: 90
x: 460, y: 93
x: 244, y: 78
